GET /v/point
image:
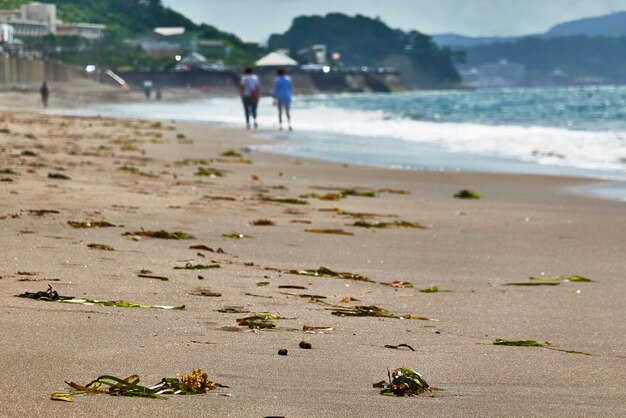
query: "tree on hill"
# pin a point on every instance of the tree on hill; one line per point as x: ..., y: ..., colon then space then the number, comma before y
x: 127, y: 18
x: 365, y: 41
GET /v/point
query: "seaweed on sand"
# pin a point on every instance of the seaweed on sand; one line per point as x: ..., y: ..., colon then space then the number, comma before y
x: 402, y: 382
x: 51, y: 295
x: 259, y: 320
x: 195, y: 383
x: 161, y: 234
x: 326, y: 272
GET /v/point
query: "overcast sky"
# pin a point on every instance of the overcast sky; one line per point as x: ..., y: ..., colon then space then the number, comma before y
x: 255, y: 20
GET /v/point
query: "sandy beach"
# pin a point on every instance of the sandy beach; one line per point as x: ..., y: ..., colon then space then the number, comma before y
x: 141, y: 175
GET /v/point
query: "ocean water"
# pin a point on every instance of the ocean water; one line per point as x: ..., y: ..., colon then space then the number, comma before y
x: 574, y: 131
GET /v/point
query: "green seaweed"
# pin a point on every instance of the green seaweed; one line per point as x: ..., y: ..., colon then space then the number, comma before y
x: 263, y: 222
x: 150, y: 276
x: 562, y: 279
x: 286, y: 201
x: 399, y: 224
x: 231, y: 153
x: 135, y: 170
x: 208, y: 172
x: 259, y: 320
x: 326, y: 272
x: 161, y: 234
x: 533, y: 343
x: 51, y: 295
x: 362, y: 311
x: 92, y: 224
x: 431, y: 289
x: 194, y: 383
x: 328, y: 231
x: 403, y: 382
x: 467, y: 194
x: 237, y: 236
x: 103, y: 247
x: 190, y: 266
x: 518, y: 343
x: 533, y: 284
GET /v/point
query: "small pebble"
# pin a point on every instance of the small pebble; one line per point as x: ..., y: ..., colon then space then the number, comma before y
x: 305, y: 345
x: 282, y: 352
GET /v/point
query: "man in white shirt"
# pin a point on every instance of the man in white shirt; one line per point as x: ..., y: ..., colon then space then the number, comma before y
x: 250, y: 89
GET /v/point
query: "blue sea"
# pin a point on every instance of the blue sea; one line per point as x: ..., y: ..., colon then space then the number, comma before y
x: 567, y: 131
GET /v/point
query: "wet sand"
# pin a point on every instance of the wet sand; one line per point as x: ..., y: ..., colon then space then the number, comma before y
x: 140, y: 175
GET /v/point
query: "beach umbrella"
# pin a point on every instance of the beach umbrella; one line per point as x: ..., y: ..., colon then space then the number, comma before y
x: 275, y: 59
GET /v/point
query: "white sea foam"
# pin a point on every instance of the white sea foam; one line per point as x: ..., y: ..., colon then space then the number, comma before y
x: 604, y: 150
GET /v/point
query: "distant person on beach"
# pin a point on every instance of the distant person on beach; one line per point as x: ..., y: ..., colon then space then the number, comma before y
x: 250, y: 89
x: 45, y: 94
x: 282, y: 97
x: 147, y: 88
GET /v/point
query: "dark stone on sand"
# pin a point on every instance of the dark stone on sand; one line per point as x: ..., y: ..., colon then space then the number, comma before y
x: 305, y: 345
x: 282, y: 352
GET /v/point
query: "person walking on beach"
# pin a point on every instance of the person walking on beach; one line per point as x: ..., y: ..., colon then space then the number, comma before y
x: 250, y: 89
x: 282, y: 97
x: 45, y: 94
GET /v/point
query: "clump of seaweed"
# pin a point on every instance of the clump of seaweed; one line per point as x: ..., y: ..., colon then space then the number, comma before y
x: 161, y: 234
x: 231, y: 153
x: 90, y: 224
x: 326, y: 272
x: 283, y: 200
x: 51, y: 295
x: 236, y: 236
x: 259, y: 320
x: 263, y: 222
x: 190, y: 266
x: 562, y: 279
x: 103, y: 247
x: 533, y: 343
x: 206, y: 248
x: 209, y: 172
x: 402, y: 382
x: 362, y: 311
x: 195, y: 383
x: 467, y: 194
x: 398, y: 224
x: 550, y: 281
x: 328, y: 231
x: 135, y: 170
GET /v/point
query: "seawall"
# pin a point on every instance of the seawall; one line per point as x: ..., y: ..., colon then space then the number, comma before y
x: 16, y: 71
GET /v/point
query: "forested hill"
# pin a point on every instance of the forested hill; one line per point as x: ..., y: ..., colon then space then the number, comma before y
x: 613, y: 25
x: 130, y: 17
x: 365, y: 41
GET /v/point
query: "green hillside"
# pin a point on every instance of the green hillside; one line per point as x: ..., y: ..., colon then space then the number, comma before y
x: 127, y: 18
x: 365, y: 41
x: 573, y: 57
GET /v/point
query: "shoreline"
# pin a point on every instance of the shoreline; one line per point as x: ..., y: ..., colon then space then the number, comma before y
x: 140, y: 176
x: 423, y: 155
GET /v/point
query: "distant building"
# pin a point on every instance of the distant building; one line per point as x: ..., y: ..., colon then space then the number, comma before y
x: 6, y: 33
x: 38, y: 19
x: 314, y: 54
x: 164, y: 42
x: 90, y: 31
x: 498, y: 74
x: 45, y: 14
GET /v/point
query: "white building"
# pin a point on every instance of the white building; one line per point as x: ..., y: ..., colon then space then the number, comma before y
x: 84, y: 30
x: 38, y: 19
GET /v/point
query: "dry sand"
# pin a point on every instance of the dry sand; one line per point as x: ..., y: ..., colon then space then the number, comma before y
x: 524, y: 226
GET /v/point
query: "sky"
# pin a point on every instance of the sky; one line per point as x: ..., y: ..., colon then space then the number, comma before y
x: 255, y: 20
